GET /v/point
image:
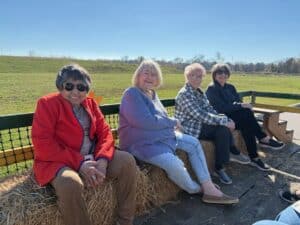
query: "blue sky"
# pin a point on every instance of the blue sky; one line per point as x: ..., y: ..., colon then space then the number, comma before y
x: 242, y: 31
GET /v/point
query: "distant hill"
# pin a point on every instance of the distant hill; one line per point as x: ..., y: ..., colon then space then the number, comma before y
x: 22, y: 64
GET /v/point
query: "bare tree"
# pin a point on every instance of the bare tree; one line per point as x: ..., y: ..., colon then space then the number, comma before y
x: 219, y: 57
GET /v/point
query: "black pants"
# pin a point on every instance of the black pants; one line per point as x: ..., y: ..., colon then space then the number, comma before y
x: 246, y: 122
x: 223, y: 140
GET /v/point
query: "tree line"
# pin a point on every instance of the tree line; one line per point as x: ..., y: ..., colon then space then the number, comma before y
x: 287, y: 66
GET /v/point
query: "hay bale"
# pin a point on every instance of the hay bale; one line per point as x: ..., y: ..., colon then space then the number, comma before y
x: 209, y: 151
x: 145, y: 194
x: 163, y: 188
x: 239, y: 141
x: 23, y: 202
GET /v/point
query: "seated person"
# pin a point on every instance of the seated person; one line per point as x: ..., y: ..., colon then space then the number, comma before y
x: 200, y: 120
x: 74, y: 148
x: 146, y: 131
x: 225, y: 99
x: 288, y: 216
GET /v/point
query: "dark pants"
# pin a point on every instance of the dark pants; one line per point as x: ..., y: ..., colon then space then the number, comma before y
x: 223, y: 140
x: 246, y: 122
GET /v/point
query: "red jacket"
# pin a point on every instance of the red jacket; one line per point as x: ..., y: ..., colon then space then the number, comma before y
x: 57, y: 136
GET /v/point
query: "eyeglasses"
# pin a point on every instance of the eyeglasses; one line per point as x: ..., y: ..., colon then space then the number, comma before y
x: 222, y: 72
x: 197, y: 76
x: 79, y: 87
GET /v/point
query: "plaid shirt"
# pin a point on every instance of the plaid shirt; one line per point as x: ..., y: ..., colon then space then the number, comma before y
x: 192, y: 108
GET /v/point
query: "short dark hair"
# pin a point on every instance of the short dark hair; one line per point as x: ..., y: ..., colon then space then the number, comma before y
x: 75, y: 72
x: 220, y: 67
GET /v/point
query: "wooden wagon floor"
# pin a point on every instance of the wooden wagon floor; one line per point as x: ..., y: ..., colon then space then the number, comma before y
x: 258, y: 192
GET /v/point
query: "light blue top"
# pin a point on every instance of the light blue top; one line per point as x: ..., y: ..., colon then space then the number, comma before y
x: 145, y: 130
x: 288, y: 216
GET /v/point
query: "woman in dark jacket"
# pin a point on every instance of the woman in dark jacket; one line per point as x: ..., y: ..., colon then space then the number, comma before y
x: 225, y: 99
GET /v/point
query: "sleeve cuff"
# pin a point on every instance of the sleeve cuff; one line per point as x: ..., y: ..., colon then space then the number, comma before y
x: 102, y: 157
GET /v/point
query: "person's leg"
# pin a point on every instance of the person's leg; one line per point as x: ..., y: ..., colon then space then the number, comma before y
x: 289, y: 215
x: 235, y: 154
x: 245, y: 118
x: 123, y: 168
x: 220, y: 135
x: 193, y: 148
x: 69, y: 191
x: 247, y: 124
x: 249, y: 138
x: 176, y: 171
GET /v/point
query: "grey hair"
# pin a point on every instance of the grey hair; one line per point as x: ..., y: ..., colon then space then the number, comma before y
x: 75, y: 72
x: 223, y: 67
x: 152, y: 67
x: 193, y: 67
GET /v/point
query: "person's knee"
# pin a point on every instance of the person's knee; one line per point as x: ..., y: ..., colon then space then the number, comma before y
x: 189, y: 144
x: 195, y: 143
x: 222, y: 131
x: 128, y: 162
x: 70, y: 184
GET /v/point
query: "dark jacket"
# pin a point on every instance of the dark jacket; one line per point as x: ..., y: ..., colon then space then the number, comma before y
x: 224, y: 99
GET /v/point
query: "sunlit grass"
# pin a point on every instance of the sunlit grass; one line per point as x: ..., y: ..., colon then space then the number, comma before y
x: 20, y: 91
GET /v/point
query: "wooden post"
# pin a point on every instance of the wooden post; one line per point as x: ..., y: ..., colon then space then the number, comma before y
x: 253, y: 98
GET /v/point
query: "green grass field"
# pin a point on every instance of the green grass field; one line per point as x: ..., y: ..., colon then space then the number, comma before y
x: 24, y: 79
x: 19, y: 91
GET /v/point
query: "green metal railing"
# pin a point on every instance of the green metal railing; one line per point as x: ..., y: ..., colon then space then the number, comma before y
x: 16, y: 149
x: 254, y: 94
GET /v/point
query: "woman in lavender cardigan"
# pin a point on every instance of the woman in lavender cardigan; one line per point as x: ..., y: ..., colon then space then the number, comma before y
x: 146, y: 131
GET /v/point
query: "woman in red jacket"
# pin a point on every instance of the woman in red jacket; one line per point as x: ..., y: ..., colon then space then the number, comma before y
x: 74, y: 148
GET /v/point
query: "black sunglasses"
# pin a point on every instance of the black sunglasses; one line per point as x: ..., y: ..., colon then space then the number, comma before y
x: 79, y: 87
x: 222, y: 72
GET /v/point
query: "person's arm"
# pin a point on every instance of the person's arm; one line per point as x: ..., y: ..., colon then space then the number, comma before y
x: 46, y: 148
x: 238, y: 100
x: 235, y: 93
x: 136, y: 111
x: 105, y: 142
x: 219, y: 103
x: 190, y: 106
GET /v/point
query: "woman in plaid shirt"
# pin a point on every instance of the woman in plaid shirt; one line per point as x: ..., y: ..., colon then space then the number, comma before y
x: 146, y: 131
x: 200, y: 120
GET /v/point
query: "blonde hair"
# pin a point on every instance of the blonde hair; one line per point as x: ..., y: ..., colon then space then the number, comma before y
x: 192, y: 68
x: 150, y: 66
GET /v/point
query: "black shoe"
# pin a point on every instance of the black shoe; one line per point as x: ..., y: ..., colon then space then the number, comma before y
x: 223, y: 177
x: 272, y: 144
x: 260, y: 164
x: 289, y: 197
x: 240, y: 158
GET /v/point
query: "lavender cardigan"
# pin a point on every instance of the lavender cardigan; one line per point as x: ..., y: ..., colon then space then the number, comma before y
x: 145, y: 130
